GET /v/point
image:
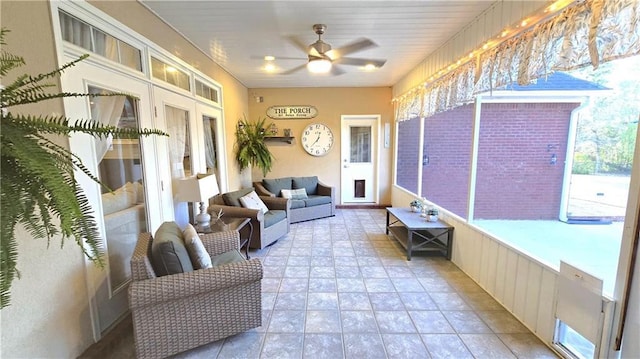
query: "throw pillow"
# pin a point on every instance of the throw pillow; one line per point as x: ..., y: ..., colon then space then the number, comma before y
x: 300, y: 193
x: 168, y: 252
x: 254, y: 202
x: 198, y: 254
x: 233, y: 198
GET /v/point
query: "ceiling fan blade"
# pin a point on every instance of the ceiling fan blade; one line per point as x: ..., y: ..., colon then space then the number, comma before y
x: 336, y: 70
x: 295, y: 69
x: 359, y: 62
x: 347, y: 49
x: 279, y: 58
x: 298, y: 44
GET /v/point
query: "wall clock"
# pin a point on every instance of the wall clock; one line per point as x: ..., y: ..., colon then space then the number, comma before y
x: 317, y: 139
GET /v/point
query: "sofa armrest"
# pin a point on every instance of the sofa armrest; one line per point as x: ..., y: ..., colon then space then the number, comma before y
x: 277, y: 203
x: 236, y: 212
x: 326, y: 190
x: 185, y: 285
x: 262, y: 191
x: 220, y: 242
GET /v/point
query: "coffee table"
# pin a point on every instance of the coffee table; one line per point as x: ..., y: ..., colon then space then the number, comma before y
x: 415, y: 234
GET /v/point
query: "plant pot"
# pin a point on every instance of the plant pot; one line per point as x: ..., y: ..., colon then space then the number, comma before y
x: 415, y: 209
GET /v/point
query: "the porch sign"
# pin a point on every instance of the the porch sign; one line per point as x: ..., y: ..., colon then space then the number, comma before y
x: 286, y: 112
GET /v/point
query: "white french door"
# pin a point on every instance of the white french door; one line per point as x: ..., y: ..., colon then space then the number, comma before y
x: 183, y: 152
x: 359, y: 156
x: 128, y: 168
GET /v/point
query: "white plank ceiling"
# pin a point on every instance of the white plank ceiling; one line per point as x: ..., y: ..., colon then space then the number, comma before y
x: 238, y: 34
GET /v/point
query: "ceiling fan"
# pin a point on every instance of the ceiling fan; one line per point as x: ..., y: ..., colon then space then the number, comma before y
x: 322, y: 57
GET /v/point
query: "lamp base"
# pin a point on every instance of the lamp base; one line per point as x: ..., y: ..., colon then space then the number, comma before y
x: 203, y: 219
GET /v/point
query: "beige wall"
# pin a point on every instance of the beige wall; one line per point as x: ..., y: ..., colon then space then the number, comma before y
x: 141, y: 20
x: 292, y: 160
x: 49, y: 316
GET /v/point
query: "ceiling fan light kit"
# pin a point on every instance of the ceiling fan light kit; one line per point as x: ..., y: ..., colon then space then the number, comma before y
x: 319, y: 66
x: 323, y: 59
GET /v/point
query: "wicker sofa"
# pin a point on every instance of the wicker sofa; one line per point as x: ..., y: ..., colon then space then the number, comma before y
x: 177, y: 312
x: 319, y: 200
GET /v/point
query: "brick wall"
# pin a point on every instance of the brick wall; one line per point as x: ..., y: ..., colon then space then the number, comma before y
x: 515, y: 179
x: 447, y: 146
x: 408, y: 161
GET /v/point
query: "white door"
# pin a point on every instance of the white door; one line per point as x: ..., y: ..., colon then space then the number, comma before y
x: 212, y: 141
x: 128, y: 168
x: 359, y: 152
x: 181, y: 154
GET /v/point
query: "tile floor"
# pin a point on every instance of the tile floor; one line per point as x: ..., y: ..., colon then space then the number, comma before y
x: 340, y: 288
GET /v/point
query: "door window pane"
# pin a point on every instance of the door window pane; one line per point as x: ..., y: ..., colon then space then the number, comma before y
x: 360, y: 144
x: 179, y: 141
x: 120, y: 168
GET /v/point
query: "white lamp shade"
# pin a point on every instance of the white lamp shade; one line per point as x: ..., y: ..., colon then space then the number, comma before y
x: 194, y: 189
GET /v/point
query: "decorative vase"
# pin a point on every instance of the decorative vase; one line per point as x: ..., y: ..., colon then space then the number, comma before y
x: 432, y: 218
x: 415, y: 209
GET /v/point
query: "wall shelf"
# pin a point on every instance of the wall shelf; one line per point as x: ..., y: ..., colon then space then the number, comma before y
x: 287, y: 139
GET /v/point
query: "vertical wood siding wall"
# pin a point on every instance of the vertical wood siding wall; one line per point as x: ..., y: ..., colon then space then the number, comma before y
x: 522, y: 285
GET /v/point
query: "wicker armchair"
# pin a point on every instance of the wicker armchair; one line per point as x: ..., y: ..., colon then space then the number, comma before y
x: 178, y: 312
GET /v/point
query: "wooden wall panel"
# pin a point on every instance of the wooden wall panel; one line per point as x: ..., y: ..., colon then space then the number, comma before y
x: 545, y: 321
x: 501, y: 270
x: 522, y: 279
x: 533, y: 295
x: 510, y: 280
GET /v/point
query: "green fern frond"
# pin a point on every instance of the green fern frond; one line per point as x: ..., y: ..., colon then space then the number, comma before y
x: 9, y: 62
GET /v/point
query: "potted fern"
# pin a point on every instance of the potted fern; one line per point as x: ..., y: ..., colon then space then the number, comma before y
x: 39, y: 190
x: 250, y: 145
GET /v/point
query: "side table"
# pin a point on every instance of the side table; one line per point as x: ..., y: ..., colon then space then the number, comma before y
x: 244, y: 227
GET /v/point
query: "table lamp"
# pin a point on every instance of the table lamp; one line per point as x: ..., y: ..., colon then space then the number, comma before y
x: 199, y: 188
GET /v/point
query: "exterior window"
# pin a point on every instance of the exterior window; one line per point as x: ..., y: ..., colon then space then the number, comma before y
x: 167, y: 73
x: 97, y: 41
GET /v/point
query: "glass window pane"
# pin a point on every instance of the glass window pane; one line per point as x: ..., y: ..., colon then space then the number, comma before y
x: 130, y: 56
x: 120, y: 168
x: 170, y: 74
x: 408, y: 163
x: 75, y: 31
x: 105, y: 45
x: 446, y: 159
x: 205, y: 91
x: 360, y: 144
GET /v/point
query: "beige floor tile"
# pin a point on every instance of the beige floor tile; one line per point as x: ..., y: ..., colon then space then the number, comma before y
x: 486, y: 346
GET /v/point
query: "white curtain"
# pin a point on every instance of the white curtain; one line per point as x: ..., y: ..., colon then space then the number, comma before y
x: 209, y: 144
x: 76, y: 32
x: 177, y: 130
x: 107, y: 111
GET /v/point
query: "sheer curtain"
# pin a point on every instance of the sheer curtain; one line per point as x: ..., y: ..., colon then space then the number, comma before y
x: 177, y: 130
x: 107, y: 111
x: 209, y: 144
